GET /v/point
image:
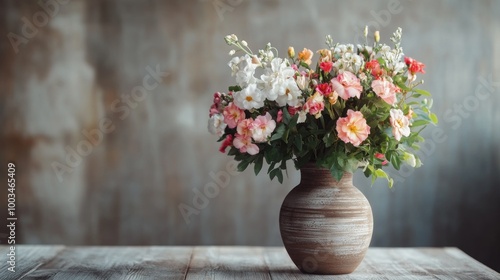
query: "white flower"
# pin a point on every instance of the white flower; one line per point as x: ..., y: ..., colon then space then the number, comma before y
x: 393, y: 59
x: 302, y: 117
x: 249, y: 98
x: 349, y: 62
x: 279, y: 84
x: 399, y: 123
x: 244, y: 69
x: 216, y: 124
x: 302, y: 81
x: 290, y: 93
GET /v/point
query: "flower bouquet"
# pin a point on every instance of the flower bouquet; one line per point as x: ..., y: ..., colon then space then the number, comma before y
x: 356, y: 107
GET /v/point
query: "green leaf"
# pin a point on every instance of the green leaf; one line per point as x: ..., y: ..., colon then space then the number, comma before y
x: 422, y: 92
x: 328, y: 139
x: 401, y: 85
x: 351, y: 165
x: 337, y: 173
x: 434, y: 118
x: 303, y: 64
x: 276, y: 173
x: 283, y: 164
x: 280, y: 176
x: 234, y: 88
x: 258, y: 164
x: 279, y: 132
x: 419, y: 123
x: 233, y: 151
x: 297, y: 141
x: 293, y: 121
x: 395, y: 160
x: 286, y: 116
x: 272, y: 155
x: 243, y: 165
x: 285, y: 135
x: 271, y: 167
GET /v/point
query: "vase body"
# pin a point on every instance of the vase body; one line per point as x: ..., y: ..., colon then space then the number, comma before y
x: 326, y: 226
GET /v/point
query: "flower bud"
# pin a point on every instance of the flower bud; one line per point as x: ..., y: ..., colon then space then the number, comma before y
x: 244, y: 43
x: 377, y: 36
x: 231, y: 52
x: 255, y: 60
x: 365, y: 33
x: 234, y: 38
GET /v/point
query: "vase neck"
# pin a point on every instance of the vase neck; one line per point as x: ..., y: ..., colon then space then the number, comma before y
x: 312, y: 175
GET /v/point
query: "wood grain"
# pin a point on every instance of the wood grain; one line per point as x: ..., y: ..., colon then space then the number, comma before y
x: 223, y: 262
x: 28, y: 259
x: 228, y: 263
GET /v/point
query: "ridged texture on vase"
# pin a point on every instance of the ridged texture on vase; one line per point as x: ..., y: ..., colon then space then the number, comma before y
x: 326, y: 225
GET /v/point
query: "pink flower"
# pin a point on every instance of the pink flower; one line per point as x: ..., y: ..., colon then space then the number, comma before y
x: 385, y: 90
x: 216, y: 105
x: 262, y: 127
x: 279, y: 117
x: 244, y: 126
x: 353, y: 128
x: 326, y: 66
x: 226, y: 143
x: 245, y: 145
x: 347, y: 85
x: 324, y: 89
x: 315, y: 104
x: 233, y: 115
x: 400, y: 124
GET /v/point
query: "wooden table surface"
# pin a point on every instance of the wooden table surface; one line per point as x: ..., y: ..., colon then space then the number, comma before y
x: 221, y: 262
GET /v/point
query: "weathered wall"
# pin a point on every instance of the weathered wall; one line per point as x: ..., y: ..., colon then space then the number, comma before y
x: 79, y: 72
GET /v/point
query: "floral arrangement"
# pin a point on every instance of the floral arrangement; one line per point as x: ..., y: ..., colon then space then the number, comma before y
x: 356, y: 108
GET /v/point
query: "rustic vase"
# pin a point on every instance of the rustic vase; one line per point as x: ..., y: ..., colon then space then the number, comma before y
x: 326, y: 225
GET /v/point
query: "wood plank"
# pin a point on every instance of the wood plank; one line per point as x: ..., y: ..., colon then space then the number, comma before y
x: 228, y: 263
x: 393, y: 263
x: 139, y: 262
x: 28, y: 258
x: 423, y: 263
x: 221, y: 262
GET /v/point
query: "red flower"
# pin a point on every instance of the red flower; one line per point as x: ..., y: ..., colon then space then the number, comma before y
x: 324, y: 89
x: 381, y: 157
x: 326, y: 66
x: 374, y: 66
x: 226, y: 143
x: 293, y: 110
x: 414, y: 66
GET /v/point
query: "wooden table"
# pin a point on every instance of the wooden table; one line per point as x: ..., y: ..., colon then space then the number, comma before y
x: 166, y: 262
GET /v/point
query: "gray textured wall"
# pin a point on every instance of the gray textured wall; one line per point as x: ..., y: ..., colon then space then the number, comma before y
x: 75, y: 69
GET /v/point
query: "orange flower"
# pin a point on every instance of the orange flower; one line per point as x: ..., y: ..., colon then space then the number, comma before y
x: 306, y: 55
